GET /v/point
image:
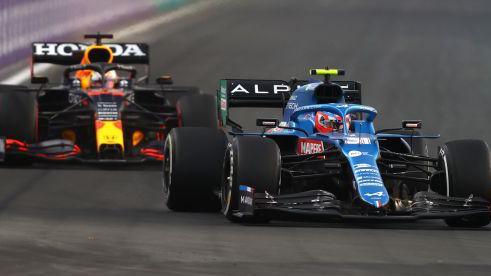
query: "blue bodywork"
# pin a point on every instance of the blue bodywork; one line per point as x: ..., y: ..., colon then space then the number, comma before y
x: 359, y: 145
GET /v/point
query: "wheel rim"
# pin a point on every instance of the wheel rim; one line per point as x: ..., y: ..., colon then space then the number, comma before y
x: 227, y: 182
x: 445, y: 166
x: 167, y: 167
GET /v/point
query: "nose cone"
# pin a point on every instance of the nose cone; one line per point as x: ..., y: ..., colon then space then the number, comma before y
x: 363, y: 162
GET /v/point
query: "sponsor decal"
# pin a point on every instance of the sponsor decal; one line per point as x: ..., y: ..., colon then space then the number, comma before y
x: 361, y: 166
x: 308, y: 116
x: 309, y: 146
x: 367, y: 175
x: 107, y: 111
x: 354, y: 153
x: 239, y: 89
x: 223, y: 104
x: 246, y: 205
x: 283, y: 124
x: 277, y: 88
x: 223, y: 101
x: 372, y: 184
x: 67, y: 49
x: 357, y: 140
x: 74, y: 98
x: 292, y: 105
x: 245, y: 188
x: 365, y: 170
x: 379, y: 194
x: 246, y: 200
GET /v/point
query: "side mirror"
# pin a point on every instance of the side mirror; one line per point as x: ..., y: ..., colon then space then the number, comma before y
x: 267, y: 122
x: 39, y: 80
x: 164, y: 80
x: 412, y: 124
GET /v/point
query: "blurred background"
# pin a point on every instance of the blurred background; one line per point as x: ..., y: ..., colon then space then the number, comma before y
x: 418, y: 59
x: 25, y: 21
x: 427, y: 60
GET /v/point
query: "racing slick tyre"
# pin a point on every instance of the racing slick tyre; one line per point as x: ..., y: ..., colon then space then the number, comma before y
x: 467, y: 169
x: 193, y: 162
x: 253, y: 161
x: 197, y: 111
x: 18, y: 117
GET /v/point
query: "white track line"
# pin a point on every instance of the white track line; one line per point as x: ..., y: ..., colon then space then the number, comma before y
x: 24, y: 74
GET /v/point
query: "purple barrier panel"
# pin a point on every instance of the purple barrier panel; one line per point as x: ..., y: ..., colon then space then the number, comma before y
x: 24, y: 21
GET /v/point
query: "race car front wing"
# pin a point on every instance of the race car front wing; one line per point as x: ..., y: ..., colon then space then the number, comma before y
x: 320, y: 205
x: 65, y: 150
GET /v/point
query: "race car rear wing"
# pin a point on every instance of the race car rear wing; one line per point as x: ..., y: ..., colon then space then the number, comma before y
x: 269, y: 93
x: 71, y: 53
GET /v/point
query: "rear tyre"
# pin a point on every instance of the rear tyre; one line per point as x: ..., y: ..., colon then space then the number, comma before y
x: 18, y: 117
x: 197, y: 111
x: 17, y: 113
x: 467, y: 172
x: 253, y: 161
x: 193, y: 168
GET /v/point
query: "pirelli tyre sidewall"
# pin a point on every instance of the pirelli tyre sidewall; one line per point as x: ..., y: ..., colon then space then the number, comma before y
x: 466, y: 164
x: 193, y: 168
x: 252, y: 161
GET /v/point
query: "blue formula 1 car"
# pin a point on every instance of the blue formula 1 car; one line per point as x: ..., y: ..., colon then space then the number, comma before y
x: 323, y: 161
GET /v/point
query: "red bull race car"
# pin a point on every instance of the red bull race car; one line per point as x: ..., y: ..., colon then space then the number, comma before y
x: 101, y: 112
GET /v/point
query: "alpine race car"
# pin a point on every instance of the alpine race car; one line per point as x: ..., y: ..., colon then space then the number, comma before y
x: 101, y: 112
x: 323, y: 161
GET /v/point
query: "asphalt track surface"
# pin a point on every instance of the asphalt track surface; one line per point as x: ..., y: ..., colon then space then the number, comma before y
x: 429, y: 60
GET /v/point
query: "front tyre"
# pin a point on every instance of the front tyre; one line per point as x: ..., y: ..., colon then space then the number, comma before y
x: 193, y: 161
x: 252, y: 161
x: 467, y: 172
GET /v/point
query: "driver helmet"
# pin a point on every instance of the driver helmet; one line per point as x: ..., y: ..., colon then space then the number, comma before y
x: 95, y: 80
x: 326, y: 122
x: 111, y: 78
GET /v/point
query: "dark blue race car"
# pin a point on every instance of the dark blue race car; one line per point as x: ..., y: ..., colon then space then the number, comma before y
x: 323, y: 161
